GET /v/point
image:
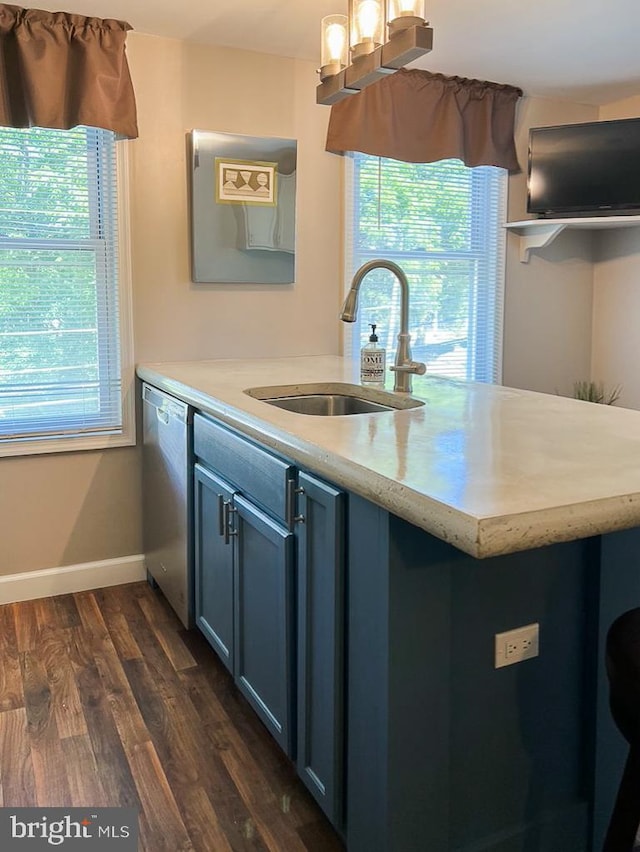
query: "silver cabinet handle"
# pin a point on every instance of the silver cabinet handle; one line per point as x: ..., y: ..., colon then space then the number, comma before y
x: 292, y: 491
x: 220, y: 514
x: 228, y: 510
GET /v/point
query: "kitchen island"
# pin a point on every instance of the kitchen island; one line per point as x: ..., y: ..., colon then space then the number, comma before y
x: 482, y: 510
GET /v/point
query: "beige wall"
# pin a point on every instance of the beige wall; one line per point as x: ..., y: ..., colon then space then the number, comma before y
x: 616, y: 313
x: 548, y: 301
x: 184, y: 86
x: 79, y: 507
x: 69, y: 508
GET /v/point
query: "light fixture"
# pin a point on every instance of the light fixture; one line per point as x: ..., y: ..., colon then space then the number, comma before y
x: 335, y: 45
x: 372, y: 54
x: 367, y: 20
x: 405, y: 13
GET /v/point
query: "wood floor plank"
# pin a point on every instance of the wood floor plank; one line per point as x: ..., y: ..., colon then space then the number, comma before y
x: 153, y: 710
x: 275, y: 831
x: 83, y: 773
x: 144, y: 637
x: 162, y: 815
x: 110, y: 758
x: 205, y: 829
x: 26, y: 624
x: 11, y: 692
x: 51, y: 784
x: 67, y: 614
x: 166, y: 632
x: 53, y: 652
x: 119, y: 598
x: 121, y: 636
x: 124, y: 709
x: 46, y: 612
x: 91, y: 616
x: 18, y: 785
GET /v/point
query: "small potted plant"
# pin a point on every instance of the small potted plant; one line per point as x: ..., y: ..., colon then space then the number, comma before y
x: 595, y: 392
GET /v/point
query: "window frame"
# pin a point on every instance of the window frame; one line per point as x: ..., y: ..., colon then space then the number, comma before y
x: 481, y: 338
x: 126, y: 435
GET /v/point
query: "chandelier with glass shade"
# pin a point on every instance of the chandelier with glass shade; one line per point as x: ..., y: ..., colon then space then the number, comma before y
x: 377, y: 37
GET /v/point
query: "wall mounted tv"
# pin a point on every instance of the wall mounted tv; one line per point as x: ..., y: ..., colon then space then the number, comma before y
x: 590, y: 169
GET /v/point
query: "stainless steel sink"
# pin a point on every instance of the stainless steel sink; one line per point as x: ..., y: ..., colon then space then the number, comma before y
x: 331, y: 399
x: 327, y: 405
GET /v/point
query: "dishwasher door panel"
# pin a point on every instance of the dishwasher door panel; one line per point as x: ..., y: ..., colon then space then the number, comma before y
x: 166, y: 498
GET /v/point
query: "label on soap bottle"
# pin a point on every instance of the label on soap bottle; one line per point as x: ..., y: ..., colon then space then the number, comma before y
x: 372, y: 366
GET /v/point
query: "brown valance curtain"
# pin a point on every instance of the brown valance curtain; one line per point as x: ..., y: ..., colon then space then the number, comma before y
x: 420, y: 117
x: 60, y: 70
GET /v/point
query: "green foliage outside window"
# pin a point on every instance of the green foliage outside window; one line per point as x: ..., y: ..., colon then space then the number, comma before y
x: 439, y: 222
x: 52, y: 260
x: 48, y: 297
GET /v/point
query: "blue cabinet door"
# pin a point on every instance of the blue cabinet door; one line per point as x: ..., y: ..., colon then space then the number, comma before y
x: 264, y: 618
x: 213, y: 563
x: 321, y: 579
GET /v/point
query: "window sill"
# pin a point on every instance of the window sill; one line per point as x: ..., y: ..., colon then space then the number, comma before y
x: 71, y: 444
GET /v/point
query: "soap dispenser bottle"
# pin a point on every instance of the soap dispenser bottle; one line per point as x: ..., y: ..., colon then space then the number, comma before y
x: 372, y: 362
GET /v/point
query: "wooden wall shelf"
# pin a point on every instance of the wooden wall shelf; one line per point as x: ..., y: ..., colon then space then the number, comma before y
x: 538, y: 233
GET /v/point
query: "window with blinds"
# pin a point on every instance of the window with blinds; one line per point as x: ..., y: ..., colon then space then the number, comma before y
x: 60, y: 335
x: 442, y: 224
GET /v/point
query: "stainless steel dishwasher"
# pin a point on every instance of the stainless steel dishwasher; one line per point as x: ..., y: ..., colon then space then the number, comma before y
x: 166, y: 490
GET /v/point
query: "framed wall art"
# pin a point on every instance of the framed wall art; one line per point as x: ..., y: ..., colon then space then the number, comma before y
x: 243, y: 208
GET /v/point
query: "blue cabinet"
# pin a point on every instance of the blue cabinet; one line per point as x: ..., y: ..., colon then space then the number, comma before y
x: 321, y: 580
x: 269, y: 563
x: 214, y: 562
x: 264, y: 618
x: 244, y: 573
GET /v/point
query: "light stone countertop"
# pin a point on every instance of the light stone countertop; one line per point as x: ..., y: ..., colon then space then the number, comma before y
x: 489, y: 469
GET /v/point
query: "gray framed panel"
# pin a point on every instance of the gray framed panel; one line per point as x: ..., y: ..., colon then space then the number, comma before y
x: 445, y: 752
x: 264, y: 619
x: 243, y: 208
x: 321, y: 653
x: 213, y: 565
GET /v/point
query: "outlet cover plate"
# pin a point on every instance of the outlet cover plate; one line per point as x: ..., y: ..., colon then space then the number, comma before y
x: 514, y: 646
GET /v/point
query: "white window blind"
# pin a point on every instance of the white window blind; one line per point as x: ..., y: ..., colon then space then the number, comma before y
x: 442, y: 224
x: 60, y: 364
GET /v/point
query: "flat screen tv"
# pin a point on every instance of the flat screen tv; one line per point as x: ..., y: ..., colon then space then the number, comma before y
x: 590, y: 169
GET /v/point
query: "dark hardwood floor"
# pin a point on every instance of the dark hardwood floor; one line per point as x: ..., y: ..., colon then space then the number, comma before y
x: 106, y: 700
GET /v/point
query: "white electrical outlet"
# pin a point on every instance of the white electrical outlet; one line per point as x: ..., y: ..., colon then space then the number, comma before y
x: 513, y: 646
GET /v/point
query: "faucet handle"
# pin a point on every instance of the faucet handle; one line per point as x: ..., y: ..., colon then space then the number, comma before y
x: 416, y: 367
x: 404, y: 371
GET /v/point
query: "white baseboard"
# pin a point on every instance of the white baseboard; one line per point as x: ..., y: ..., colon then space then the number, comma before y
x: 72, y: 578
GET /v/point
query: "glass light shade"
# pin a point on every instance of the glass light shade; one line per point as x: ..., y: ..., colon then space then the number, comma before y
x: 405, y: 13
x: 367, y: 20
x: 334, y: 50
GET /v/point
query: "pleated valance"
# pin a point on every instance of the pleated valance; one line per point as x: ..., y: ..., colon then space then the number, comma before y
x: 59, y: 70
x: 421, y: 117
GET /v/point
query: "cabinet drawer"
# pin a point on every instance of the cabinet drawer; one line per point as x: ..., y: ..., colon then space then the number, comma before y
x: 253, y: 471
